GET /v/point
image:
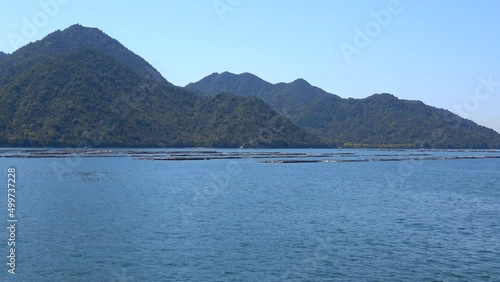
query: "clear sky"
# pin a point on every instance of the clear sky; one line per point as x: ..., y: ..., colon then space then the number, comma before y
x: 444, y: 53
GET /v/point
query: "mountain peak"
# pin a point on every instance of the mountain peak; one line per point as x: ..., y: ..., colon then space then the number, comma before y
x: 225, y: 74
x: 383, y: 96
x: 80, y: 87
x: 376, y: 120
x: 74, y: 38
x: 247, y: 74
x: 78, y: 26
x: 78, y: 34
x: 80, y: 30
x: 301, y: 81
x: 231, y: 75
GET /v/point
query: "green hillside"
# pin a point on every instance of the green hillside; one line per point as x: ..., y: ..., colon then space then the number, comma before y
x: 377, y: 121
x: 78, y: 87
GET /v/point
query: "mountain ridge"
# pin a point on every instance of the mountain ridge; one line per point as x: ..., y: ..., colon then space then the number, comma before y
x: 70, y: 39
x: 279, y: 96
x: 375, y: 121
x: 81, y: 88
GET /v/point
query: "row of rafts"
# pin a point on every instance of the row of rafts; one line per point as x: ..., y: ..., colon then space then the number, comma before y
x: 271, y: 157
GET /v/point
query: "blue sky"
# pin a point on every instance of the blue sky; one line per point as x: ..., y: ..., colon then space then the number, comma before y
x: 444, y: 53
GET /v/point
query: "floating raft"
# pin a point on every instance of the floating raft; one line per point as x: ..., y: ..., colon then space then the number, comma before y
x: 379, y: 160
x: 265, y: 157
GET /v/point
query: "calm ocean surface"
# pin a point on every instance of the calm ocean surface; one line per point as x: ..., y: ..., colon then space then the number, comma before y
x: 124, y: 219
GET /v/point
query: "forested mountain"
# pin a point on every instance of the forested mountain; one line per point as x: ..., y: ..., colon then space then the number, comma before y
x: 3, y: 56
x: 225, y: 119
x: 380, y: 120
x: 79, y: 87
x: 74, y: 38
x: 287, y: 98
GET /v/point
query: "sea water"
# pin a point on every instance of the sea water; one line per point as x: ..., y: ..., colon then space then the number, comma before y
x: 129, y: 219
